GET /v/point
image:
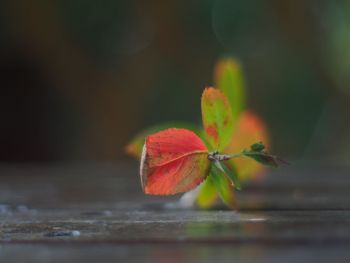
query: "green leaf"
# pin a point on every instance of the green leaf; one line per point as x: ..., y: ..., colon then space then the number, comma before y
x: 230, y: 80
x: 257, y: 147
x: 134, y: 148
x: 264, y: 158
x: 217, y: 118
x: 229, y: 173
x: 223, y: 186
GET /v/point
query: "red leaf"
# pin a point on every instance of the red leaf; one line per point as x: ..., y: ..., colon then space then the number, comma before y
x: 171, y: 144
x: 173, y: 161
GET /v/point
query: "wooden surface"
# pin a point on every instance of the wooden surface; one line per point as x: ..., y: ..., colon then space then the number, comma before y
x: 97, y: 213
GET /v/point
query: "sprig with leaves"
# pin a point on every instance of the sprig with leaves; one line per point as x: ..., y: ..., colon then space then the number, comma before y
x: 177, y: 160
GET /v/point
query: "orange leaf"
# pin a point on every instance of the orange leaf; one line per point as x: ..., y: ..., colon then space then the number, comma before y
x: 250, y: 129
x: 173, y: 161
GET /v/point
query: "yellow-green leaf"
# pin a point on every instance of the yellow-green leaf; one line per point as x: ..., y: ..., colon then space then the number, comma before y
x: 217, y: 118
x: 207, y: 194
x: 229, y: 79
x: 223, y: 186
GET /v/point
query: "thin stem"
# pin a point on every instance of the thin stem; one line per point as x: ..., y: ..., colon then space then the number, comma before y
x: 216, y: 156
x: 234, y: 155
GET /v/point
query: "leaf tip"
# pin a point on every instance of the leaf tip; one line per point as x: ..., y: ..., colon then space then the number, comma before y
x: 132, y: 150
x: 223, y: 64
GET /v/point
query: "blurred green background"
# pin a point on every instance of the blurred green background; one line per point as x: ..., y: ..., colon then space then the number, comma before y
x: 79, y: 78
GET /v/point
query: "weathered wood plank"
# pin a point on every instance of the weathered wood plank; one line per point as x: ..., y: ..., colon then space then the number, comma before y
x: 78, y: 213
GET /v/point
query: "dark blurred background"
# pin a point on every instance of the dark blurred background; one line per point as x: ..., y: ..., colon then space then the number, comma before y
x: 79, y: 78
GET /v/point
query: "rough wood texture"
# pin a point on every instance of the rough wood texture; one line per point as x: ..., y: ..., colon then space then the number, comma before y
x: 97, y: 213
